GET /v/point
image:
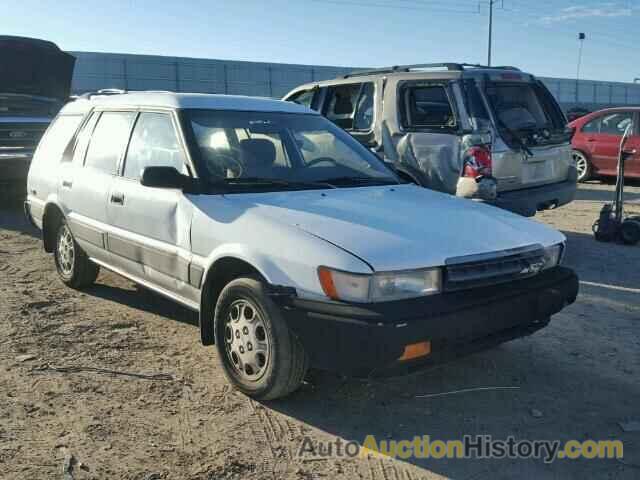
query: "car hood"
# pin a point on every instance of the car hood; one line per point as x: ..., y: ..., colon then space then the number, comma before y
x: 400, y: 227
x: 35, y: 67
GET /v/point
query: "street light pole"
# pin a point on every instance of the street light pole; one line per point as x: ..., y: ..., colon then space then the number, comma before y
x: 491, y: 2
x: 581, y: 38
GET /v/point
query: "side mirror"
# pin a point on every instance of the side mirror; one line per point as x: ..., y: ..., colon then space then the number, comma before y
x: 164, y: 177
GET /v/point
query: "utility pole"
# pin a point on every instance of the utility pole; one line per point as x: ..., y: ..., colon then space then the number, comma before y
x: 491, y: 3
x: 581, y: 37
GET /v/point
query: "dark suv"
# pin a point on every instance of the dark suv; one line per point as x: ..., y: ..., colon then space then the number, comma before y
x: 32, y: 91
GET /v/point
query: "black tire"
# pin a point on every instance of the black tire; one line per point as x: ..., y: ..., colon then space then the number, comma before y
x: 630, y: 232
x: 286, y: 363
x: 78, y: 272
x: 586, y: 171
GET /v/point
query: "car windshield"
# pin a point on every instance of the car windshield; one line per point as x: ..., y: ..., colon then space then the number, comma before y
x: 259, y: 150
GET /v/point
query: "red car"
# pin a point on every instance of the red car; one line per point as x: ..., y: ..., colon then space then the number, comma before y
x: 597, y: 141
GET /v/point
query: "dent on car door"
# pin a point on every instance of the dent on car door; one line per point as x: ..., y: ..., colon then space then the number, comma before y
x: 150, y: 226
x: 85, y: 184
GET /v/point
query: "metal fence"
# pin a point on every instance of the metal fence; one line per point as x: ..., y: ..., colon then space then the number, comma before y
x: 142, y: 72
x: 145, y: 72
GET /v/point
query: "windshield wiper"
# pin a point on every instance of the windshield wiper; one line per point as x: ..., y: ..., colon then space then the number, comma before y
x: 514, y: 135
x: 269, y: 182
x: 342, y: 181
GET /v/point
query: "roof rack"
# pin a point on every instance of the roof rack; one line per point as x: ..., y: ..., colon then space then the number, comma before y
x: 102, y: 92
x: 458, y: 67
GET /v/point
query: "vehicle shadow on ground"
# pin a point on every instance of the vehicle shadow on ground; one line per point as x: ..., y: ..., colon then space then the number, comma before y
x: 12, y: 218
x: 140, y: 298
x: 592, y: 260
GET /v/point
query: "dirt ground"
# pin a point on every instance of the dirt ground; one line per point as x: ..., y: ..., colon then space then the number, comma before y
x: 577, y: 379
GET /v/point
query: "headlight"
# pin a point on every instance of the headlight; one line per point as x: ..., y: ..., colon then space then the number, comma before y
x: 553, y: 255
x: 380, y: 287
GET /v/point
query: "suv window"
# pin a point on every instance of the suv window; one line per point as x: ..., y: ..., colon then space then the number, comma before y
x: 351, y: 106
x: 154, y: 143
x: 303, y: 98
x: 364, y: 110
x: 108, y: 141
x: 57, y: 137
x: 616, y: 123
x: 428, y: 106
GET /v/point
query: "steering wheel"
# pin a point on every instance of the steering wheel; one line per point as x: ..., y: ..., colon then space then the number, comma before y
x: 318, y: 160
x: 219, y: 165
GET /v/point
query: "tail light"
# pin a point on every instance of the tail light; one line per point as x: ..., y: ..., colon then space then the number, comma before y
x: 477, y: 162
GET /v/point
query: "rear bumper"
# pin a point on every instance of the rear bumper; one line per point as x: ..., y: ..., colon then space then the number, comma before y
x: 364, y: 340
x: 528, y: 201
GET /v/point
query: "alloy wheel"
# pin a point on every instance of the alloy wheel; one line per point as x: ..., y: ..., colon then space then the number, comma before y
x: 66, y: 251
x: 247, y: 344
x: 582, y: 165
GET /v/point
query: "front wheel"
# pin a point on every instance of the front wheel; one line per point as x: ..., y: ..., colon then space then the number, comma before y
x: 258, y: 353
x: 583, y: 165
x: 73, y: 266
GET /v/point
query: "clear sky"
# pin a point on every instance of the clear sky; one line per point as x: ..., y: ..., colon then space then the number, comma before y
x: 540, y: 36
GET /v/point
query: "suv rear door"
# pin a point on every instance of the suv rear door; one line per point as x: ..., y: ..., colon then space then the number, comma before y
x: 524, y: 112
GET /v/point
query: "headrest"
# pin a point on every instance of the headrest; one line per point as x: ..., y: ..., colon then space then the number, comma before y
x: 258, y: 152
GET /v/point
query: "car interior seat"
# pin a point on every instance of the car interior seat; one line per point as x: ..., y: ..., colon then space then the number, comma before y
x: 258, y: 156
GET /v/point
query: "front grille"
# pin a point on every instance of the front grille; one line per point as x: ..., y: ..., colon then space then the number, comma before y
x: 20, y: 135
x: 497, y: 267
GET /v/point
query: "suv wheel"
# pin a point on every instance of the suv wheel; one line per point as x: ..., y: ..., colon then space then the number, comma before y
x: 258, y: 353
x: 583, y: 165
x: 73, y: 265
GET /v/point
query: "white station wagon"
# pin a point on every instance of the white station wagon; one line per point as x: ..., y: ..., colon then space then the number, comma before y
x: 297, y: 245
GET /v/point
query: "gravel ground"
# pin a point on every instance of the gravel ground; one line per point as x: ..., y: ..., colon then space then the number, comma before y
x: 180, y: 420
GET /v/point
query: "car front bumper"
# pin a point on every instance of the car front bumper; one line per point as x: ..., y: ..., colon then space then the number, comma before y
x: 366, y: 340
x: 528, y: 201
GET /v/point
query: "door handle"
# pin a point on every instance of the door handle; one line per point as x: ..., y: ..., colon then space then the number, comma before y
x: 117, y: 198
x: 591, y: 139
x: 67, y: 183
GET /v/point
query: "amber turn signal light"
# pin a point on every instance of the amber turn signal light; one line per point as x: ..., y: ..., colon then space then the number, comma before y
x: 416, y: 350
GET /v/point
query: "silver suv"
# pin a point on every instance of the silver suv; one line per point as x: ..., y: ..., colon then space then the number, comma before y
x: 489, y: 133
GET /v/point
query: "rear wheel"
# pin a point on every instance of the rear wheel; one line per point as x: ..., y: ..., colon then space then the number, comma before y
x: 583, y: 165
x: 259, y: 355
x: 630, y: 232
x: 74, y: 267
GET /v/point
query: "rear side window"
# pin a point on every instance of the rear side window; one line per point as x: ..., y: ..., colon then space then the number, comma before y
x: 108, y: 141
x: 592, y: 126
x: 428, y: 106
x: 351, y: 106
x: 303, y: 98
x: 58, y: 136
x: 154, y: 143
x: 615, y: 123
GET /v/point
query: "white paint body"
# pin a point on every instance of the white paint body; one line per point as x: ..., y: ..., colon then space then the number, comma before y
x: 286, y: 236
